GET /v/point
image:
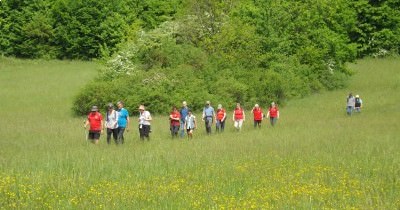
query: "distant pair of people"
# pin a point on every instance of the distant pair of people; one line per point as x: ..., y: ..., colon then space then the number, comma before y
x: 353, y: 104
x: 184, y: 120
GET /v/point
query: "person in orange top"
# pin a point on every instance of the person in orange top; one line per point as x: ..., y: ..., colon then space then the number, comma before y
x: 220, y: 118
x: 238, y: 117
x: 258, y: 115
x: 174, y: 118
x: 95, y: 122
x: 273, y: 113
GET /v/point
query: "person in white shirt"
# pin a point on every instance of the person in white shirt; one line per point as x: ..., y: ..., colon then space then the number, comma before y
x: 111, y: 123
x: 144, y: 123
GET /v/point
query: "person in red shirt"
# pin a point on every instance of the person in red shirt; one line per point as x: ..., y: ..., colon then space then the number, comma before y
x: 273, y: 114
x: 95, y: 122
x: 174, y: 118
x: 258, y: 115
x: 220, y: 118
x: 238, y: 117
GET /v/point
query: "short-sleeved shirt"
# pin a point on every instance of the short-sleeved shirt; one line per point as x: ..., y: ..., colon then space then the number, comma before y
x: 184, y: 112
x: 95, y: 119
x: 122, y: 117
x: 208, y: 111
x: 220, y: 114
x: 190, y: 121
x: 143, y: 118
x: 257, y: 113
x: 273, y: 112
x: 175, y: 115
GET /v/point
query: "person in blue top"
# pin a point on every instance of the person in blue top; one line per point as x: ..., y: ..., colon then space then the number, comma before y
x: 208, y: 116
x: 123, y: 122
x: 184, y: 112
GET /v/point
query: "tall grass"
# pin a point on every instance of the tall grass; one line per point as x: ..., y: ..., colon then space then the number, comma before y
x: 316, y: 157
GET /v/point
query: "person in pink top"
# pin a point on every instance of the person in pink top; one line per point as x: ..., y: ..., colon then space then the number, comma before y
x: 175, y: 123
x: 258, y: 115
x: 273, y: 114
x: 238, y: 117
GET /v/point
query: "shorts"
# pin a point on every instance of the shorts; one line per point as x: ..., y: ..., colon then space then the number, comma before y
x: 94, y: 135
x: 238, y: 123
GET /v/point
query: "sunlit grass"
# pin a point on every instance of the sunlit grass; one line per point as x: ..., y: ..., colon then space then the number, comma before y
x: 316, y: 157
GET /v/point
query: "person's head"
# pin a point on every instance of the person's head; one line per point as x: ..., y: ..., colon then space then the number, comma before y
x: 273, y: 104
x: 208, y: 103
x: 237, y: 105
x: 141, y: 108
x: 184, y: 103
x: 350, y: 95
x: 189, y: 112
x: 357, y: 96
x: 94, y: 109
x: 174, y: 109
x: 110, y: 106
x: 219, y: 106
x: 256, y: 106
x: 120, y: 104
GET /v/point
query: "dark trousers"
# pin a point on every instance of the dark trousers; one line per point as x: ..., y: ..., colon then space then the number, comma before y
x: 220, y: 125
x: 114, y: 133
x: 208, y: 122
x: 120, y: 136
x: 174, y: 130
x: 144, y: 131
x: 257, y: 123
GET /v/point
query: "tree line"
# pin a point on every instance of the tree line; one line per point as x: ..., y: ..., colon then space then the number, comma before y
x: 159, y: 53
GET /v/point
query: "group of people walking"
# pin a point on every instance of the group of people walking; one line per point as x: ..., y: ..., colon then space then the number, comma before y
x: 181, y: 121
x: 116, y: 123
x: 354, y: 104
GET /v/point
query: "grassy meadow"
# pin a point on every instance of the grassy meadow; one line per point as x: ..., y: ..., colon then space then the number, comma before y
x: 315, y: 158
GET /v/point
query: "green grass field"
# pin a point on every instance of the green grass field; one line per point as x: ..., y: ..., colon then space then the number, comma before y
x: 315, y: 158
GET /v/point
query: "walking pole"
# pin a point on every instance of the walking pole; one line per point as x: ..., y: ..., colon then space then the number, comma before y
x: 86, y: 132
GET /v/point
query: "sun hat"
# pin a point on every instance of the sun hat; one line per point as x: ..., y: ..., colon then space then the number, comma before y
x: 141, y: 107
x: 207, y: 102
x: 256, y: 105
x: 184, y: 103
x: 110, y: 105
x: 94, y: 109
x: 357, y: 96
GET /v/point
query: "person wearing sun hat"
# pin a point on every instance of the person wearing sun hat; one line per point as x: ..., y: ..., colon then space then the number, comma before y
x: 95, y: 122
x: 123, y: 122
x: 144, y: 123
x: 208, y: 116
x: 357, y: 104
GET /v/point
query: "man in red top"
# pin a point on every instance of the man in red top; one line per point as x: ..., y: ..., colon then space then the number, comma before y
x: 220, y: 118
x: 174, y: 118
x: 273, y: 113
x: 95, y: 120
x: 258, y: 115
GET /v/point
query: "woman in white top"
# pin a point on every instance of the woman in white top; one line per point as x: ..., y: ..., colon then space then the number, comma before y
x: 111, y: 123
x: 144, y: 123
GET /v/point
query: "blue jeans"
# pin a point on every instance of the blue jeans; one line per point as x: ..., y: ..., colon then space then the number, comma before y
x: 120, y: 136
x: 182, y: 127
x: 220, y: 126
x: 349, y: 110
